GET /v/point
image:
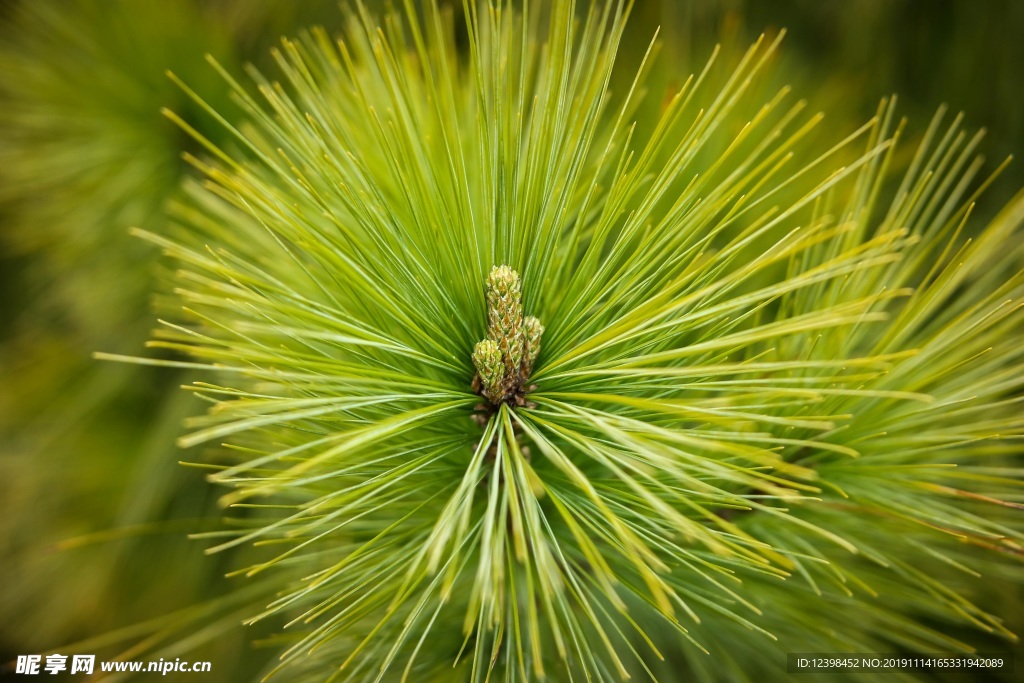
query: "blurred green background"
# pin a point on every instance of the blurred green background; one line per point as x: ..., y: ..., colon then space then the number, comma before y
x: 95, y: 507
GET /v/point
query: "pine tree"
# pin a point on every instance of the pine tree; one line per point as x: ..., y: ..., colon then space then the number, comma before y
x: 510, y: 388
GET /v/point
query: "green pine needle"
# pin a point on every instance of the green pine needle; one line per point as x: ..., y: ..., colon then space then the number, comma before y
x: 776, y: 379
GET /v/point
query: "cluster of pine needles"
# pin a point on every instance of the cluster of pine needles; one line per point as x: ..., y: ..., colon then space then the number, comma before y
x: 767, y: 398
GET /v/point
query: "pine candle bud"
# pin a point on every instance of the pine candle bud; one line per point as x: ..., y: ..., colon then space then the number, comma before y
x: 505, y: 359
x: 505, y: 315
x: 532, y: 331
x: 487, y: 359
